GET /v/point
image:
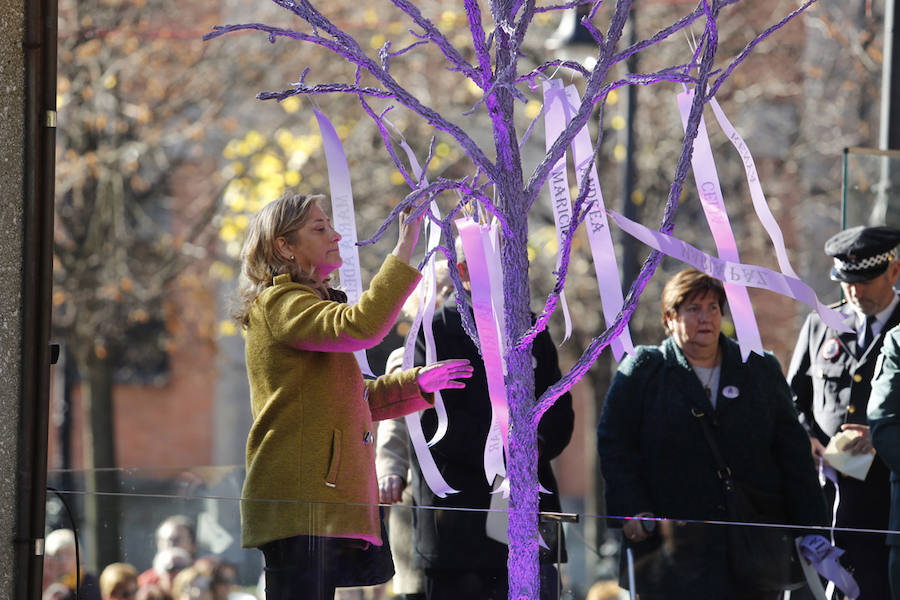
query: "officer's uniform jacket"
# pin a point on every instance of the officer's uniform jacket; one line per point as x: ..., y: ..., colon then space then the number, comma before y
x: 831, y: 387
x: 830, y: 384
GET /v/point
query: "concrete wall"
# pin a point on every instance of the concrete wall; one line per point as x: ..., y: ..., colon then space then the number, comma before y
x: 12, y: 119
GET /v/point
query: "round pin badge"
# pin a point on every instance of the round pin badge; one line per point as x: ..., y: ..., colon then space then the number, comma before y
x: 830, y: 349
x: 730, y: 391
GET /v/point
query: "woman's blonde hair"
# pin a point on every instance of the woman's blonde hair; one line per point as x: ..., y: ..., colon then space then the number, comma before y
x: 116, y: 574
x: 260, y: 260
x: 188, y: 578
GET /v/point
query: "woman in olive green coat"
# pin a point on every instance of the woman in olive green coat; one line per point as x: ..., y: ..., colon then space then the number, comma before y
x: 310, y: 496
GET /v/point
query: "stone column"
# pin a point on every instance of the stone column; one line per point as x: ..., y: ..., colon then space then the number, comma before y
x: 27, y: 130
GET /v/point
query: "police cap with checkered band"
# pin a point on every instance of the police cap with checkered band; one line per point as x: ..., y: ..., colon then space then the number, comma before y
x: 862, y: 253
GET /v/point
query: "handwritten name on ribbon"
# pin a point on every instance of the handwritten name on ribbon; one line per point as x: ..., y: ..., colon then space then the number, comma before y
x: 344, y: 217
x: 731, y: 272
x: 710, y: 192
x: 603, y: 252
x: 556, y: 116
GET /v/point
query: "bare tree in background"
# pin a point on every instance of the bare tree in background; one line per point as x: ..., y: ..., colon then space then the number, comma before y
x: 136, y: 108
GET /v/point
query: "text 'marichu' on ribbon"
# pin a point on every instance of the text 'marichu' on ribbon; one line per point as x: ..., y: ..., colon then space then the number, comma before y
x: 731, y: 272
x: 713, y: 203
x: 560, y: 105
x: 344, y: 216
x: 556, y: 115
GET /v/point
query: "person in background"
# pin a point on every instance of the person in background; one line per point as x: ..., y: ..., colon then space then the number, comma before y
x: 151, y: 592
x: 61, y: 570
x: 225, y: 583
x: 167, y: 564
x: 656, y: 460
x: 118, y: 581
x: 830, y: 377
x: 191, y: 584
x: 310, y: 497
x: 460, y: 560
x: 884, y: 420
x: 176, y: 531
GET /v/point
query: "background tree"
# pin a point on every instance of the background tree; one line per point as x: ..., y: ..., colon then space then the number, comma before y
x: 136, y: 114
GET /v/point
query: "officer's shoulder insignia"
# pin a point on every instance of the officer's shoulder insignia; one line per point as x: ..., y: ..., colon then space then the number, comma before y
x: 838, y: 304
x: 830, y: 348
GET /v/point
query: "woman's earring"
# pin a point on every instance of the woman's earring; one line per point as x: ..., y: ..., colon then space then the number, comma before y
x: 292, y: 258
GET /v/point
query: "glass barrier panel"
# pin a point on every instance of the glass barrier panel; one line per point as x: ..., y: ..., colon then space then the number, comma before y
x: 178, y: 532
x: 871, y: 194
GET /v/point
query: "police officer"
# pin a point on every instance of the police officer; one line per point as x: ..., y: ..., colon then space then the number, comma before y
x: 830, y: 376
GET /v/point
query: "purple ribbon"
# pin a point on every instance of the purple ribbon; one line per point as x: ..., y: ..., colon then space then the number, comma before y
x: 710, y: 193
x: 476, y: 241
x: 824, y: 557
x: 756, y: 192
x: 556, y: 116
x: 427, y: 291
x: 344, y: 216
x: 602, y: 250
x: 729, y: 272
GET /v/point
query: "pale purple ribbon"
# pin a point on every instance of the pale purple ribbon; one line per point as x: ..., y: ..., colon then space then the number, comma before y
x: 425, y: 309
x: 730, y: 272
x: 556, y: 116
x: 344, y: 218
x: 473, y: 238
x: 499, y: 428
x: 427, y: 290
x: 710, y: 193
x: 602, y: 249
x: 756, y: 192
x: 824, y: 557
x: 829, y: 473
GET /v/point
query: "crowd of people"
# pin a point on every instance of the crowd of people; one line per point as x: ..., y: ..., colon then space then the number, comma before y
x: 177, y: 572
x: 683, y: 424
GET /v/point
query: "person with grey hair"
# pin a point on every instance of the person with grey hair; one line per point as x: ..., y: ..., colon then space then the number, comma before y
x: 830, y: 377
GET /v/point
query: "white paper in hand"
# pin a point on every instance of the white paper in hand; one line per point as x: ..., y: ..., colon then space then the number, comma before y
x: 854, y: 465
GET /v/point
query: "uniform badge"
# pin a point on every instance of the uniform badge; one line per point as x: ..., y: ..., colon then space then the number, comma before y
x: 730, y: 391
x: 830, y: 349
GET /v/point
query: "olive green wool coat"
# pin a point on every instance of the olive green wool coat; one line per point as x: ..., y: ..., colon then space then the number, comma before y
x: 310, y: 452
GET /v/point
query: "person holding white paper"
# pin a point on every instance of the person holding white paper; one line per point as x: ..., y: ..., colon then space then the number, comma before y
x: 658, y: 463
x: 830, y: 377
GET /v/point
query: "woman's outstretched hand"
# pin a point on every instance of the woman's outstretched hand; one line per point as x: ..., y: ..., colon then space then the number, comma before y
x: 443, y: 375
x: 409, y: 235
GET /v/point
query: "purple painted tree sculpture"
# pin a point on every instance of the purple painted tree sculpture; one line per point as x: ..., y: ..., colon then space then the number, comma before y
x: 499, y: 182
